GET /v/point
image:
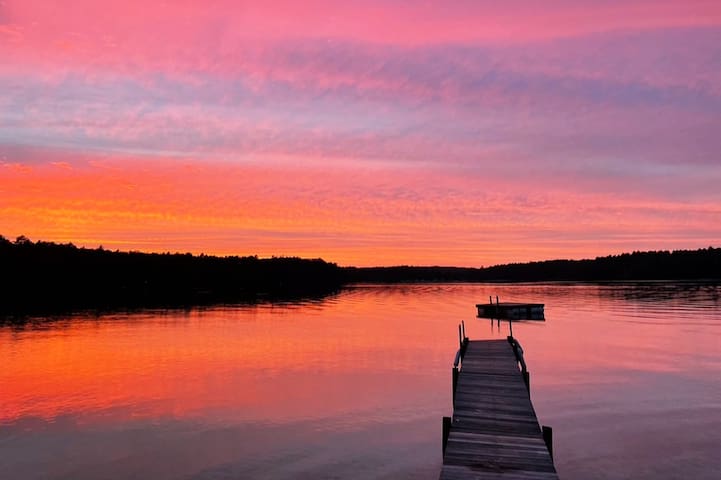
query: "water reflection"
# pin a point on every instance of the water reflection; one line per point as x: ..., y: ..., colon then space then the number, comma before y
x: 354, y: 386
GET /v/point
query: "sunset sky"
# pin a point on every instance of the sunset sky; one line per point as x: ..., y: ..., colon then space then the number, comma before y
x: 366, y: 132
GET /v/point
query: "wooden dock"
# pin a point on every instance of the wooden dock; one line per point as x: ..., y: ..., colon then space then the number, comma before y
x: 494, y: 432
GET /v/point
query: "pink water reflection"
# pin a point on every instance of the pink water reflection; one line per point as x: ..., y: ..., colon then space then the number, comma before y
x: 355, y: 385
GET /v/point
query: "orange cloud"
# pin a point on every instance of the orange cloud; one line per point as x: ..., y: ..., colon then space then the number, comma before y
x: 371, y: 215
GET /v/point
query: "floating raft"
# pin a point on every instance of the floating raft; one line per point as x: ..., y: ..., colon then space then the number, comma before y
x: 511, y: 311
x: 494, y: 433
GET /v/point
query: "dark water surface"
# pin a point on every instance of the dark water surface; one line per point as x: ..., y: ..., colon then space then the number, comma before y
x: 629, y: 377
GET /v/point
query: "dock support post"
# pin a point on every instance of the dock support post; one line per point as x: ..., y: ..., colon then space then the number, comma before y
x: 455, y: 383
x: 547, y: 437
x: 527, y: 381
x: 446, y: 431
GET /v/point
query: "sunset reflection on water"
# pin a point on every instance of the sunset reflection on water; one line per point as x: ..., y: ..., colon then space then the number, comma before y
x: 355, y: 385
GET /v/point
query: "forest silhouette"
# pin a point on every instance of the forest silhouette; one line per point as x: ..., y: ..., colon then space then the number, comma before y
x: 46, y: 277
x: 701, y: 264
x: 43, y: 276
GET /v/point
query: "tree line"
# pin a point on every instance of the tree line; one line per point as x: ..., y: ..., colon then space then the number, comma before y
x: 701, y: 264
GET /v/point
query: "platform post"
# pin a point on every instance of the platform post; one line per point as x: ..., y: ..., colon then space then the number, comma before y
x: 446, y: 431
x: 547, y: 437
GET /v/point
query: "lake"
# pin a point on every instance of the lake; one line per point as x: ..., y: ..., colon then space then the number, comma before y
x: 355, y: 385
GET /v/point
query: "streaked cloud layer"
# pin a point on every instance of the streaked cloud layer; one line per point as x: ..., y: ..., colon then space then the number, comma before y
x: 462, y: 133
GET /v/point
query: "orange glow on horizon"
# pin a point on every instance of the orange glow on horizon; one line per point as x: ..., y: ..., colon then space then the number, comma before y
x: 363, y: 217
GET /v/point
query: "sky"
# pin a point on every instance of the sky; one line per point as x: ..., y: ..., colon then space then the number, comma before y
x: 465, y: 133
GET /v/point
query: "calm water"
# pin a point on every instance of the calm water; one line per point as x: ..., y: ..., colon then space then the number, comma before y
x: 355, y: 386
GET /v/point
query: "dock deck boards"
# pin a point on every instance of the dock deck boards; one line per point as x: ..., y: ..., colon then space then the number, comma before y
x: 494, y: 431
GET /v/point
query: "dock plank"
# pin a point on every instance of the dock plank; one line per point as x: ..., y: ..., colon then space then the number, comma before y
x: 494, y: 432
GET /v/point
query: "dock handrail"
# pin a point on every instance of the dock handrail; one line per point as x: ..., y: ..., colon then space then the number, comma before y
x: 458, y: 359
x: 518, y: 352
x: 462, y: 345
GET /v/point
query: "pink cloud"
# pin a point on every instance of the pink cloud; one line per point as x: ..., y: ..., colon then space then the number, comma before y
x: 220, y: 25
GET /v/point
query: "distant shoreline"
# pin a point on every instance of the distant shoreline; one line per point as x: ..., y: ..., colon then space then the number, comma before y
x: 710, y: 281
x: 701, y: 264
x: 45, y: 277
